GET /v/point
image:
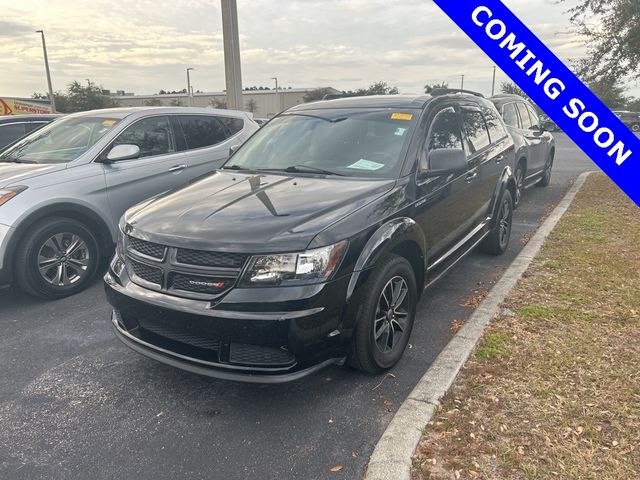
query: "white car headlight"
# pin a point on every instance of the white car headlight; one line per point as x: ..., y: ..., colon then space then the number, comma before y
x: 311, y: 266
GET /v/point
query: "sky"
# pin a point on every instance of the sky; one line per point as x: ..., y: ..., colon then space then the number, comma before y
x: 143, y: 46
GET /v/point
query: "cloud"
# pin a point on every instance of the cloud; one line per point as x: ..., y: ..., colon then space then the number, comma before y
x: 146, y: 45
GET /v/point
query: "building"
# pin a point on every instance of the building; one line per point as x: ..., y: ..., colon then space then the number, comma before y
x: 264, y: 103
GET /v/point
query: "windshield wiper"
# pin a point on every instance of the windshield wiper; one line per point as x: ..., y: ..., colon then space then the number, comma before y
x: 16, y: 160
x: 310, y: 169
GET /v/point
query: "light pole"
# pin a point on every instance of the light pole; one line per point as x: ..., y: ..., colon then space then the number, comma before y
x: 278, y: 106
x: 46, y: 67
x: 232, y: 67
x: 189, y: 86
x: 462, y: 82
x: 493, y: 86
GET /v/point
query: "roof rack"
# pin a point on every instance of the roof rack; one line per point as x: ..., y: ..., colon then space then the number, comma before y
x: 436, y: 92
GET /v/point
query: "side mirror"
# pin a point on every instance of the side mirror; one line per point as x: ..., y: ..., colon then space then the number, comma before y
x: 445, y: 161
x: 123, y: 152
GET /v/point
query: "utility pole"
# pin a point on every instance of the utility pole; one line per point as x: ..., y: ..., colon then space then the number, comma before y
x: 231, y: 42
x: 46, y: 67
x: 278, y: 106
x: 462, y: 82
x: 493, y: 87
x: 189, y: 92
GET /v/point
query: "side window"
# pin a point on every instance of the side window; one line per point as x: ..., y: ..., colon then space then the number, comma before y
x: 445, y: 133
x: 535, y: 119
x: 234, y: 125
x: 11, y: 132
x: 524, y: 116
x: 476, y: 129
x: 152, y: 135
x: 496, y: 128
x: 33, y: 126
x: 510, y: 115
x: 202, y: 131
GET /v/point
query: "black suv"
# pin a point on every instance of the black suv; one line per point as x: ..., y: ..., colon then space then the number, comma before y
x: 535, y: 147
x: 313, y: 243
x: 630, y: 119
x: 13, y: 127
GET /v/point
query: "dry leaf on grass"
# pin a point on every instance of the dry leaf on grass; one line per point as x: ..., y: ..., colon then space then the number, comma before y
x: 337, y: 468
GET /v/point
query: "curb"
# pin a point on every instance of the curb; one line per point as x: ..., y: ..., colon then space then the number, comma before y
x: 391, y: 458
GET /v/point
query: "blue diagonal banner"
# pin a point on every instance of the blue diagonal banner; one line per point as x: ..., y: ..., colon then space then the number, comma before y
x: 553, y: 86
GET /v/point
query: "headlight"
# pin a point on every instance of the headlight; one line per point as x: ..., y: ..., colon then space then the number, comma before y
x: 120, y: 253
x: 7, y: 194
x: 311, y: 266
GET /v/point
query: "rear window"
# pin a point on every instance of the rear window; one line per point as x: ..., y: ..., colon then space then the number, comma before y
x: 234, y: 125
x: 524, y: 116
x: 476, y: 129
x: 202, y: 131
x: 11, y: 132
x: 494, y: 124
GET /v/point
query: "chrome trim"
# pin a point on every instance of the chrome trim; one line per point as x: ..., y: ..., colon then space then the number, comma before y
x: 457, y: 246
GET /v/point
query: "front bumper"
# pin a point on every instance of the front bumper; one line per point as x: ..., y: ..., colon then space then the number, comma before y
x: 262, y: 335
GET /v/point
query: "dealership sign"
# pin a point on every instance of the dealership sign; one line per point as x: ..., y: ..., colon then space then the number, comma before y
x: 23, y: 106
x: 553, y: 86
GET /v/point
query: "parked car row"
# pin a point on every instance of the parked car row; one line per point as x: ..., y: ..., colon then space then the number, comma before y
x: 310, y: 245
x: 630, y: 119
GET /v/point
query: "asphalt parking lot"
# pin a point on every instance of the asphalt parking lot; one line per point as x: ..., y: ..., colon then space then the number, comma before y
x: 76, y: 404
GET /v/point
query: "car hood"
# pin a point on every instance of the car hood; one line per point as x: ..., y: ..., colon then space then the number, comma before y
x: 17, y: 173
x: 231, y: 211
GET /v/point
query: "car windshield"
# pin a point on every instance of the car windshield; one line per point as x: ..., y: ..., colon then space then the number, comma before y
x: 358, y: 143
x: 60, y: 142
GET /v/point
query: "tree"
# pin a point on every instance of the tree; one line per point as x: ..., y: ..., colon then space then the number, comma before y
x: 633, y: 105
x: 251, y: 105
x: 377, y: 88
x: 317, y: 94
x: 80, y: 98
x: 610, y: 92
x: 612, y: 32
x: 218, y: 103
x: 428, y: 88
x: 153, y: 102
x: 511, y: 88
x: 176, y: 103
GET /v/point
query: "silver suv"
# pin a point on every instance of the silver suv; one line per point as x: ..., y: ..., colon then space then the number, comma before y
x: 64, y: 187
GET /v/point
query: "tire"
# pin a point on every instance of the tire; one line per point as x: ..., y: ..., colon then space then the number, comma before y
x: 546, y: 176
x: 519, y: 177
x: 65, y: 270
x: 635, y: 127
x: 497, y: 241
x: 368, y: 353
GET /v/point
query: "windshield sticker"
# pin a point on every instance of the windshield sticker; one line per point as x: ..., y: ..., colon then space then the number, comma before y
x: 401, y: 116
x: 109, y: 123
x: 400, y: 132
x: 363, y: 164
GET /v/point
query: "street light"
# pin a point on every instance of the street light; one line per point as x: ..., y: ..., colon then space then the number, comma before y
x: 46, y: 67
x: 462, y: 82
x: 278, y: 106
x: 493, y: 87
x: 189, y: 86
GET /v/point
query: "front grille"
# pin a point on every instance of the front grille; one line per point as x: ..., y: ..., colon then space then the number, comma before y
x: 180, y: 336
x: 147, y: 248
x: 145, y: 272
x: 256, y: 355
x: 211, y: 259
x: 200, y: 284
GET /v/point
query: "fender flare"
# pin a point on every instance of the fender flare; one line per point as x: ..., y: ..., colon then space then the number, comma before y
x: 383, y: 240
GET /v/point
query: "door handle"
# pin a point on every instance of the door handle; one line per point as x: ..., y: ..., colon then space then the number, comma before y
x: 499, y: 159
x: 470, y: 177
x: 177, y: 168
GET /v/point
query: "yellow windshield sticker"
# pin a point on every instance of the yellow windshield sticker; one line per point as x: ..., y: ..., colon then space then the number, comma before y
x: 401, y: 116
x: 109, y: 123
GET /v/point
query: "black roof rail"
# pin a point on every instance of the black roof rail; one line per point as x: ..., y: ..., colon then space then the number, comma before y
x: 436, y: 92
